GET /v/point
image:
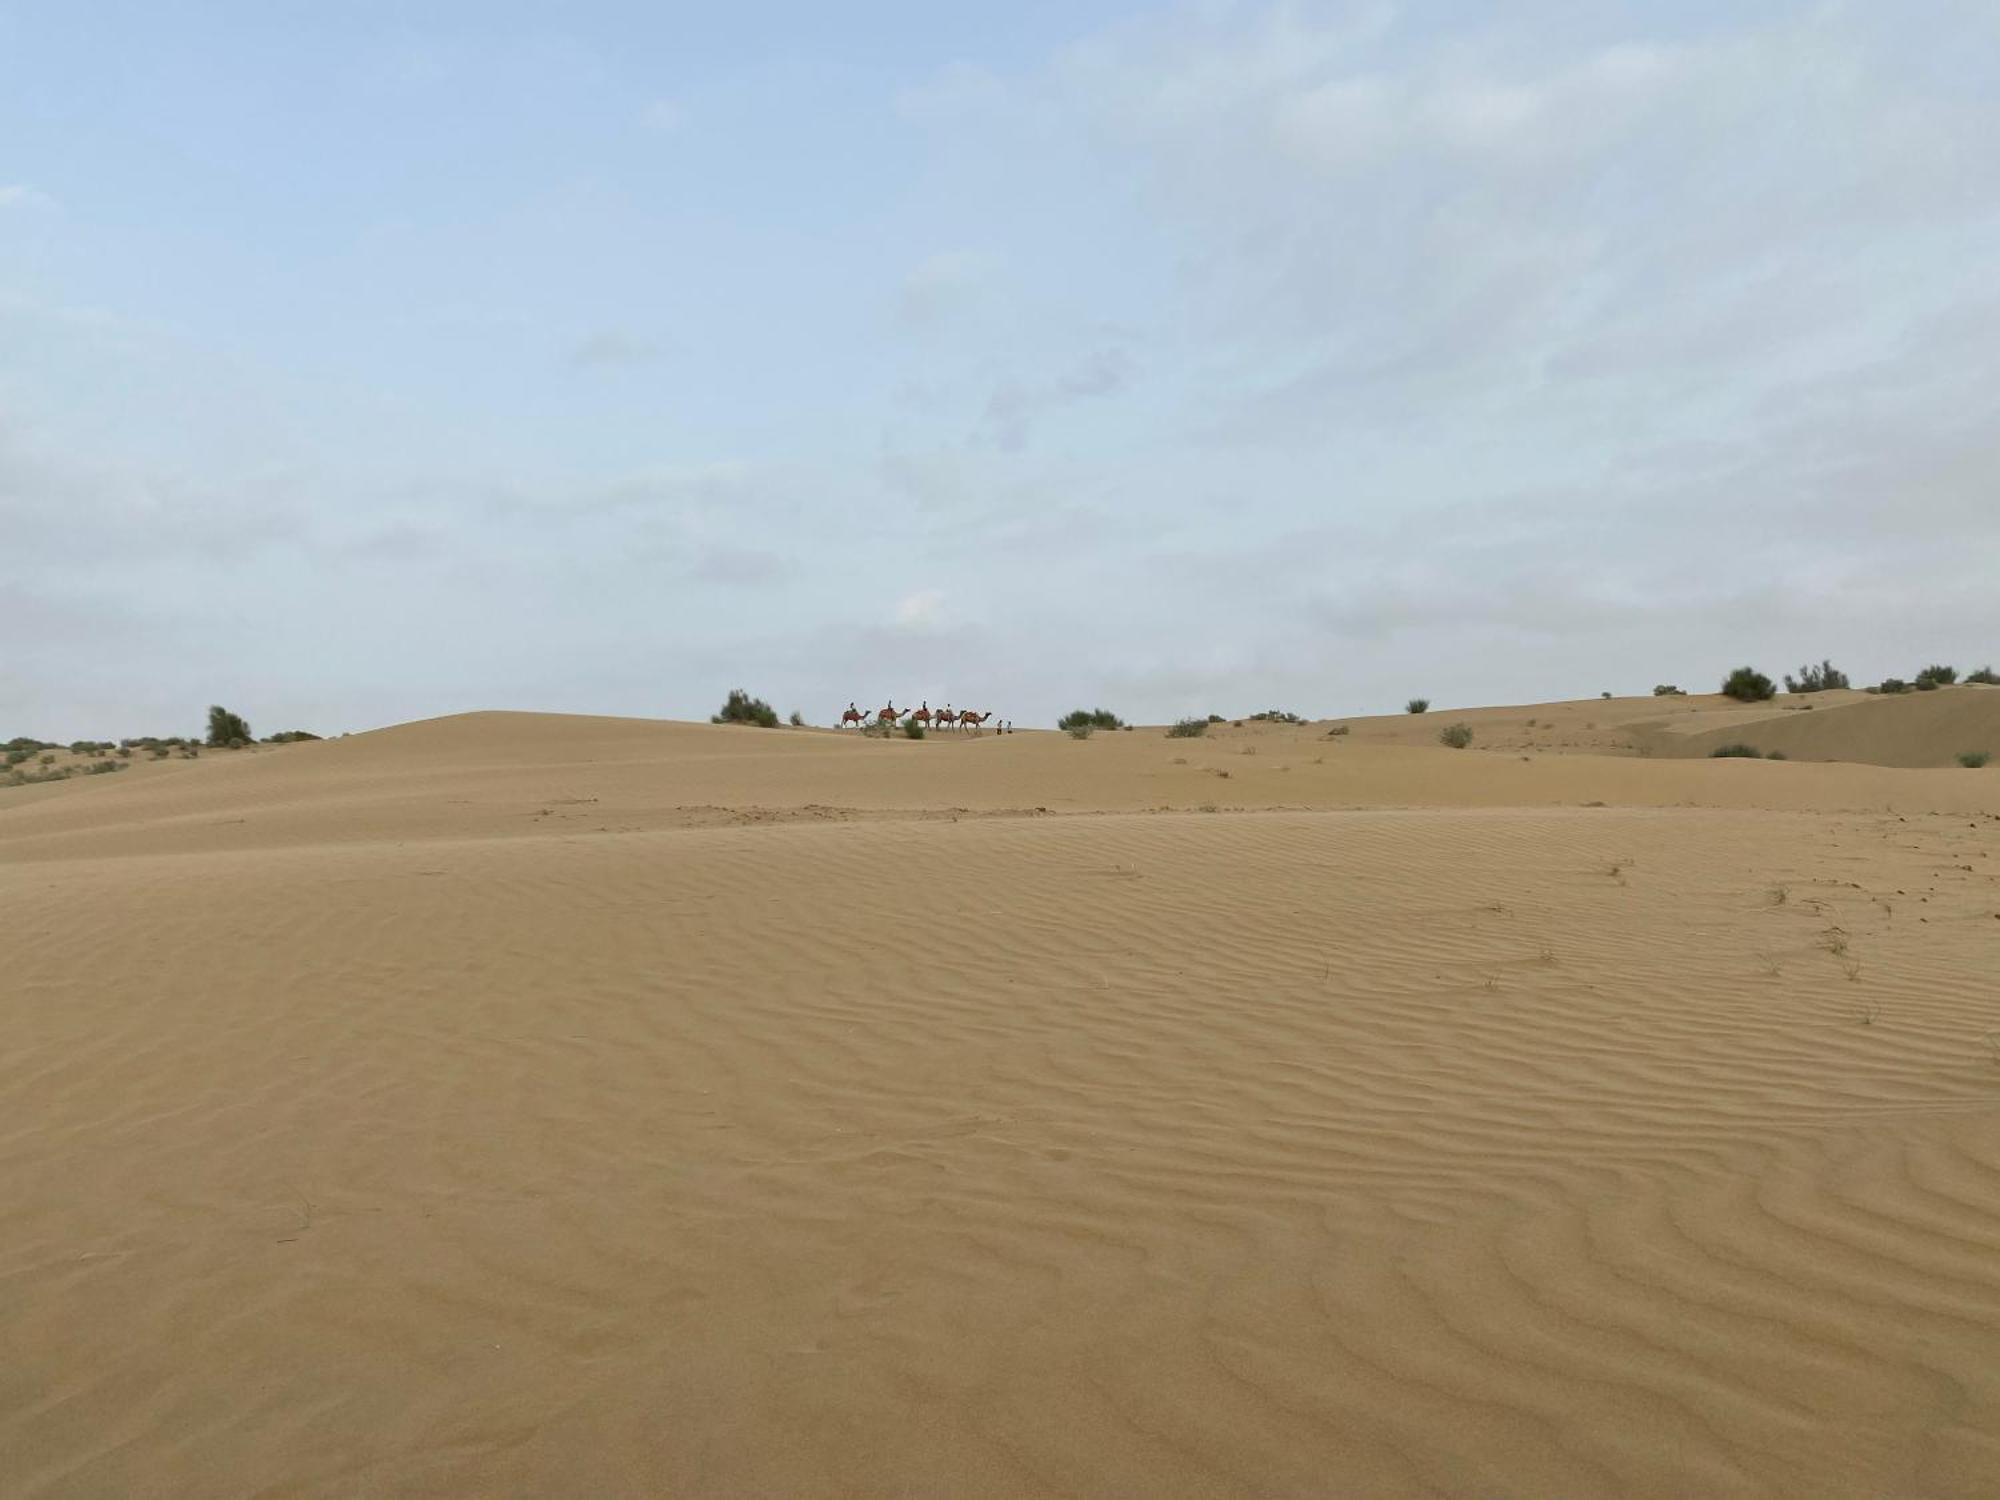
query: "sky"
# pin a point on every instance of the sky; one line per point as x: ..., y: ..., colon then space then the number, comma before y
x: 369, y: 362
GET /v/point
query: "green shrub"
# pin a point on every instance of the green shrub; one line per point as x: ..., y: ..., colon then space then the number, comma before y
x: 740, y: 708
x: 1735, y: 752
x: 1937, y: 676
x: 99, y: 767
x: 1986, y: 675
x: 1187, y: 729
x: 1215, y: 718
x: 1972, y: 760
x: 1458, y: 736
x: 1777, y: 755
x: 1096, y: 718
x: 1418, y: 706
x: 1338, y: 730
x: 1748, y: 685
x: 912, y: 730
x: 226, y: 728
x: 1276, y: 716
x: 290, y: 737
x: 1668, y: 690
x: 798, y: 720
x: 1082, y: 730
x: 1822, y: 678
x: 1892, y: 685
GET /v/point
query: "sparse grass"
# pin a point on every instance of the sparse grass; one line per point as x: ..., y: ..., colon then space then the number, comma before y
x: 1972, y: 760
x: 1187, y: 729
x: 1777, y: 755
x: 912, y: 730
x: 99, y: 767
x: 1339, y: 731
x: 1275, y: 716
x: 1456, y: 736
x: 1418, y: 706
x: 1081, y: 730
x: 1834, y: 940
x: 1735, y: 752
x: 1780, y: 894
x: 290, y: 737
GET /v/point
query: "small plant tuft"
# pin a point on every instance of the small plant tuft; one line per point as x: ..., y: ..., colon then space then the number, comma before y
x: 1735, y: 752
x: 740, y: 708
x: 1748, y: 685
x: 1187, y: 729
x: 1972, y: 760
x: 798, y: 720
x: 1822, y: 678
x: 1096, y: 718
x: 1668, y: 690
x: 1418, y: 706
x: 1457, y: 736
x: 912, y: 730
x: 226, y: 729
x: 1935, y: 676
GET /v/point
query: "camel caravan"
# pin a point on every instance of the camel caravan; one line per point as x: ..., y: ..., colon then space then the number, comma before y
x: 886, y: 717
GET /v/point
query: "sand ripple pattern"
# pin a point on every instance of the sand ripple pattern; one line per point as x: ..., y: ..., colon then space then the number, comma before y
x: 1513, y: 1153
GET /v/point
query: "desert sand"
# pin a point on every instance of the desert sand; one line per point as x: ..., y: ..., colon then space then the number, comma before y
x: 531, y: 1105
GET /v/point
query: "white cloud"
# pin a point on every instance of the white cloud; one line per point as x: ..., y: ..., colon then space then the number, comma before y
x: 21, y: 195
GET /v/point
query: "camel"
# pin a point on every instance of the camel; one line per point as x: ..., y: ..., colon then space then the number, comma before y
x: 946, y: 719
x: 890, y: 715
x: 853, y: 716
x: 971, y: 720
x: 923, y: 715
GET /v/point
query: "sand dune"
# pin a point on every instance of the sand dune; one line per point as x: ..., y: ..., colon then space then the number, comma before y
x: 521, y: 1105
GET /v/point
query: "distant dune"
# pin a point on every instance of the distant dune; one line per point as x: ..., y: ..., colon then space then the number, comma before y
x: 1906, y: 729
x: 518, y: 1104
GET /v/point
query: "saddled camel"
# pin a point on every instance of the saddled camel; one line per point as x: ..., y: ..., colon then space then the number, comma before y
x: 853, y: 716
x: 945, y: 718
x: 970, y: 720
x: 923, y: 714
x: 889, y: 715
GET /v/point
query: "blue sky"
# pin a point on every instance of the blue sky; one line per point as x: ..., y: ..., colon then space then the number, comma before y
x: 365, y: 362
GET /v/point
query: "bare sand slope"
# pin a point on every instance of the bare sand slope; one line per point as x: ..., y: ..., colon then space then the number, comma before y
x: 408, y: 1138
x: 1909, y: 729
